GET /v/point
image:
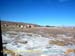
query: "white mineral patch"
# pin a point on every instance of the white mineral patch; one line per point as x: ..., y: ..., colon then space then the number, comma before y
x: 34, y: 42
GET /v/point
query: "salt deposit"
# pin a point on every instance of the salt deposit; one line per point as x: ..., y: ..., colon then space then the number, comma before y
x: 35, y: 43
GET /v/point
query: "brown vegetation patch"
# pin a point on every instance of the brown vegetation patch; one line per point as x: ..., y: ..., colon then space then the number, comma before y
x: 57, y: 42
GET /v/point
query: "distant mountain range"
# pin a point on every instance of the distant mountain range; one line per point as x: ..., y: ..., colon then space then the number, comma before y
x: 18, y: 23
x: 35, y: 25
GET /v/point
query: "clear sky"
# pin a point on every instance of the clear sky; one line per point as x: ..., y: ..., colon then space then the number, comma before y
x: 43, y: 12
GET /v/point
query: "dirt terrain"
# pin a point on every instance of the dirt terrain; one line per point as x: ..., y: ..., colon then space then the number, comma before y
x: 38, y: 41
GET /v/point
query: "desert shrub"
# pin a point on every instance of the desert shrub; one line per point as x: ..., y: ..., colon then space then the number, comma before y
x: 74, y: 50
x: 69, y: 51
x: 57, y: 42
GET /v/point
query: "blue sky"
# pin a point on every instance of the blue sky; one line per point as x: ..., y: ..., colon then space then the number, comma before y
x: 43, y: 12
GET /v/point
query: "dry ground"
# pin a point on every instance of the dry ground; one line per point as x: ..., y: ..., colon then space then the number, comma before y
x: 48, y: 32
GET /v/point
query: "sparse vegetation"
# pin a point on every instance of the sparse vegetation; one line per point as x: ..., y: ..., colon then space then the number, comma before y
x: 57, y: 42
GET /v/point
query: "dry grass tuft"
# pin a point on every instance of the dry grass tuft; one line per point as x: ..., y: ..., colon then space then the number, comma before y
x: 57, y: 42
